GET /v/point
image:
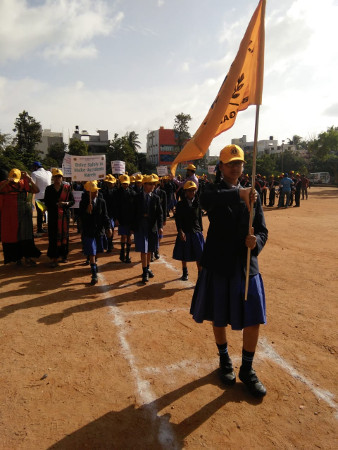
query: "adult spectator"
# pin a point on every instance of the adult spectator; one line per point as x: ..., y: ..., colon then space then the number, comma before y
x: 42, y: 178
x: 58, y: 199
x: 298, y: 186
x: 305, y: 185
x: 16, y: 219
x: 285, y: 190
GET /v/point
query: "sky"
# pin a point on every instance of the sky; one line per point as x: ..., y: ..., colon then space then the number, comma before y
x: 133, y: 65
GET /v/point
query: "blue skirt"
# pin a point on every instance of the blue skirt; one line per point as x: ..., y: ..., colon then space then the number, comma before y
x: 124, y: 230
x: 145, y: 240
x: 191, y: 249
x: 92, y: 246
x: 221, y: 300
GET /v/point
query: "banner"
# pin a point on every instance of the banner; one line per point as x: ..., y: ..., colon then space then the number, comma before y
x: 77, y: 197
x: 88, y: 168
x: 242, y: 87
x: 67, y: 165
x: 162, y: 171
x: 118, y: 167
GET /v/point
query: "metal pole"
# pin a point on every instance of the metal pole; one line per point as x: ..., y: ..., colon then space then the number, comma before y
x: 253, y: 178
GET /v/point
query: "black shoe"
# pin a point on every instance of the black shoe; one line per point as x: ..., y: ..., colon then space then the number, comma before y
x: 152, y: 257
x: 226, y: 373
x: 122, y: 258
x: 157, y: 255
x: 93, y: 281
x: 87, y: 262
x: 184, y: 278
x: 150, y: 274
x: 145, y: 277
x: 127, y: 260
x: 251, y: 381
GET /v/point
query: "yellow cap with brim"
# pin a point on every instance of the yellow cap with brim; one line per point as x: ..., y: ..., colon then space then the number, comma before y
x: 15, y: 174
x: 57, y: 172
x: 124, y: 179
x: 91, y: 186
x: 150, y: 179
x: 231, y: 153
x: 189, y: 185
x: 191, y: 167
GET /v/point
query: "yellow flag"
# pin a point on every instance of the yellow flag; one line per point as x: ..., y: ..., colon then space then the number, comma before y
x: 41, y: 205
x: 242, y: 87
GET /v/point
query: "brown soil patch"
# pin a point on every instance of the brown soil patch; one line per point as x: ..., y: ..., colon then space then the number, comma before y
x: 123, y: 366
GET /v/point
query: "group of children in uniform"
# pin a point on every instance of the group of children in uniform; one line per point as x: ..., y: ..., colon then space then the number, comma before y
x: 141, y: 211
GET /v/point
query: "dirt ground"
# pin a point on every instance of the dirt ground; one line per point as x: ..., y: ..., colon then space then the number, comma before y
x: 123, y: 366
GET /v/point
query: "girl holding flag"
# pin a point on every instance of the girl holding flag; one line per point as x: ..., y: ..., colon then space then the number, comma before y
x: 219, y: 293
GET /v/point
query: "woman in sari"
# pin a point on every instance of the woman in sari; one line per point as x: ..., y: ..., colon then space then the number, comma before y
x: 16, y: 218
x: 58, y: 199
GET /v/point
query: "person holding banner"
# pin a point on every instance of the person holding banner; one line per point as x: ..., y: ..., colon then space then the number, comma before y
x: 220, y: 289
x: 147, y: 224
x: 124, y: 215
x: 58, y: 200
x: 42, y: 178
x: 96, y: 225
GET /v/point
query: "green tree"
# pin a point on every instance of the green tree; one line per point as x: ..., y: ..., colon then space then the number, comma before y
x: 120, y: 150
x: 77, y: 147
x: 56, y: 152
x: 324, y: 150
x: 28, y: 134
x: 133, y: 141
x: 181, y: 128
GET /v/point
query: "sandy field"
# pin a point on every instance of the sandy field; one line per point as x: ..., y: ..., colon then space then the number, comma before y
x: 121, y: 365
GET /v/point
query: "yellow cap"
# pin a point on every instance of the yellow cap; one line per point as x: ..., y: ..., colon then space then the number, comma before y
x: 150, y: 179
x: 110, y: 178
x: 124, y: 179
x: 15, y: 174
x: 56, y: 172
x: 231, y: 153
x: 139, y: 178
x: 132, y: 179
x: 91, y: 186
x: 189, y: 185
x: 191, y: 167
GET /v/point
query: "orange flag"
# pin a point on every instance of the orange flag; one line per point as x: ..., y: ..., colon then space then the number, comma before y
x: 242, y: 87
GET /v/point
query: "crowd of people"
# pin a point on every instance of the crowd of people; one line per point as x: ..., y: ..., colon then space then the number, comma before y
x: 139, y: 206
x: 281, y: 191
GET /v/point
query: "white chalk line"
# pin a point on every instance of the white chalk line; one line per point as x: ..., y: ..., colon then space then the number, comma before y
x: 269, y: 352
x: 188, y: 366
x: 166, y: 435
x: 154, y: 311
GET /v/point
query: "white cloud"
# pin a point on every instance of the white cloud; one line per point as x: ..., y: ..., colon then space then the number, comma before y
x: 56, y: 29
x: 160, y: 3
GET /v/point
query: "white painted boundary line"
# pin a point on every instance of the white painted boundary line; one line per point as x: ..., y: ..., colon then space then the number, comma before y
x: 166, y: 435
x: 154, y: 311
x: 269, y: 352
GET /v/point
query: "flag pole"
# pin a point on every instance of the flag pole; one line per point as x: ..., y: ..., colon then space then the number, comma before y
x: 253, y: 179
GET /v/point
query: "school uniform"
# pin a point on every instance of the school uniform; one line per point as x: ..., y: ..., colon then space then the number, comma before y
x: 94, y: 225
x: 188, y: 218
x: 124, y: 209
x: 147, y: 220
x: 109, y: 195
x: 219, y: 292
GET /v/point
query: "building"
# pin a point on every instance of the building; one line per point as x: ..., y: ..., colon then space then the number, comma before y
x: 161, y: 147
x: 47, y: 139
x: 268, y: 146
x: 97, y: 143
